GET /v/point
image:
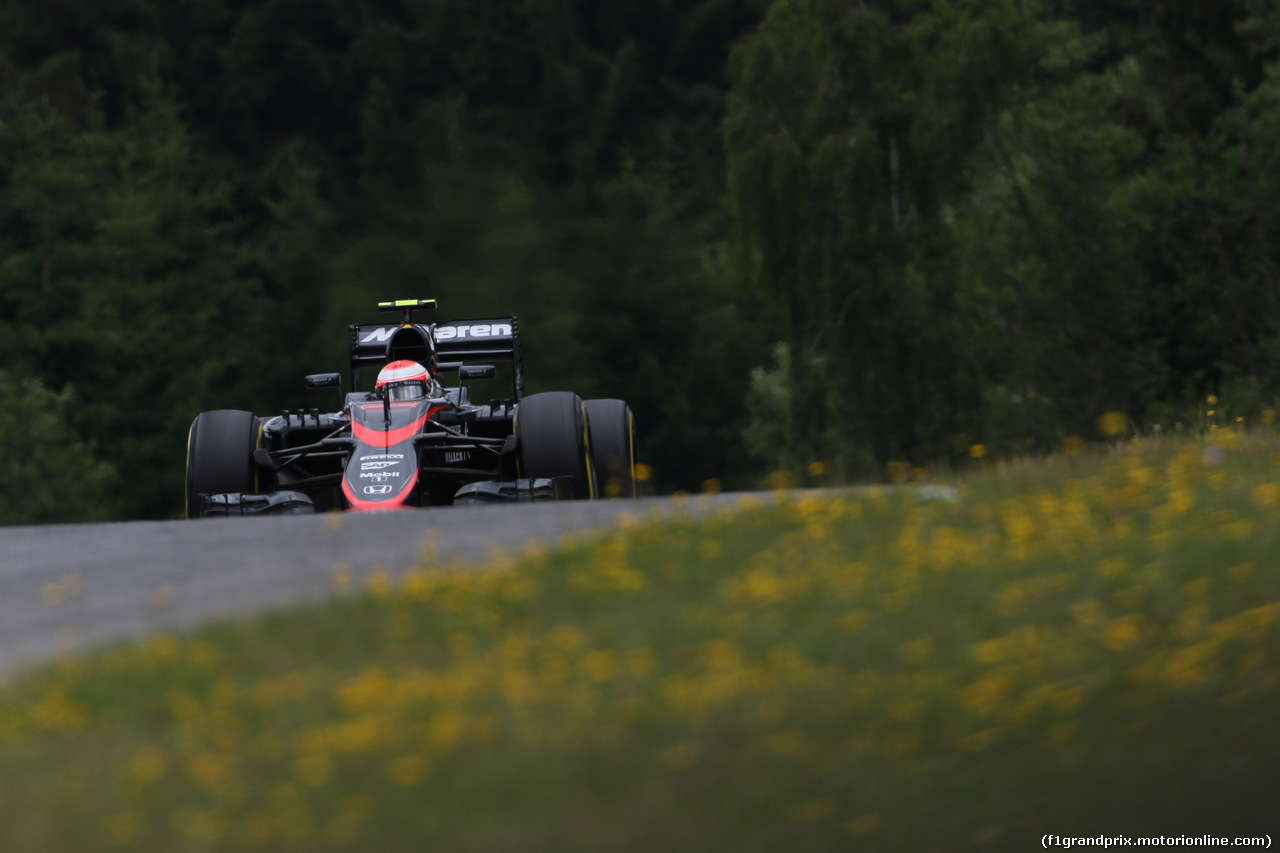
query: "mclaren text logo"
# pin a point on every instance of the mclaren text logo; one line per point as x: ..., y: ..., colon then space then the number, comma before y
x: 445, y: 333
x: 379, y: 336
x: 377, y: 465
x: 475, y: 330
x: 377, y: 490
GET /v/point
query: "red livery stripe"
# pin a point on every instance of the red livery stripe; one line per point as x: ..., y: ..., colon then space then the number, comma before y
x: 380, y: 438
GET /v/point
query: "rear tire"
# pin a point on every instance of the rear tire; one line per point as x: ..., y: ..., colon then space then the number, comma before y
x: 555, y: 441
x: 613, y: 446
x: 220, y: 455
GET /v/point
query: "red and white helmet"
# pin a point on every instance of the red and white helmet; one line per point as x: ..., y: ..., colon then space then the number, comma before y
x: 403, y: 380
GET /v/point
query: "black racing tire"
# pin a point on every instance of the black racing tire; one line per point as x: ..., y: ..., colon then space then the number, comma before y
x: 220, y: 455
x: 555, y: 441
x: 613, y: 446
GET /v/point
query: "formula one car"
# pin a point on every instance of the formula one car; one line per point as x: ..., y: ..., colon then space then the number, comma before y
x: 411, y: 441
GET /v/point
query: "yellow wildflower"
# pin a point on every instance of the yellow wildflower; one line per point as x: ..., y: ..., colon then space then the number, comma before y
x: 1087, y: 613
x: 1113, y: 423
x: 208, y: 769
x: 600, y: 665
x: 1113, y: 567
x: 990, y: 652
x: 1191, y: 665
x: 985, y: 695
x: 1122, y: 633
x: 1266, y: 494
x: 854, y: 621
x: 1241, y: 573
x: 1237, y: 530
x: 148, y: 765
x: 781, y: 481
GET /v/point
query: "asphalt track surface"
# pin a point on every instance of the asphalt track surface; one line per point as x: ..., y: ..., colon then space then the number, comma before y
x: 65, y: 588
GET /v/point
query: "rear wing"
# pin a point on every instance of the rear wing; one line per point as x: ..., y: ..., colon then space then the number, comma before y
x: 457, y: 342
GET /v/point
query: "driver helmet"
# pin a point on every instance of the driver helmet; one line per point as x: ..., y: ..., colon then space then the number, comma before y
x: 403, y: 380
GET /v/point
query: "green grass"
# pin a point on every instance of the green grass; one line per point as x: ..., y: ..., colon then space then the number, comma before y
x: 1080, y: 645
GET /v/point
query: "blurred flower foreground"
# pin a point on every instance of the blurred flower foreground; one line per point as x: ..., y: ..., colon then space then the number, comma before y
x: 1084, y: 644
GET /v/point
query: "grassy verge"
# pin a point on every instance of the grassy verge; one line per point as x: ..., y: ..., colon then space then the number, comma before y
x: 1082, y: 645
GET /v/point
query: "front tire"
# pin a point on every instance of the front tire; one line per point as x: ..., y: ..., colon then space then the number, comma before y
x: 613, y: 446
x: 220, y: 455
x: 555, y: 440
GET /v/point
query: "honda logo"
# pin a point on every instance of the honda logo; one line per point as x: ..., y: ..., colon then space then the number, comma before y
x: 377, y: 490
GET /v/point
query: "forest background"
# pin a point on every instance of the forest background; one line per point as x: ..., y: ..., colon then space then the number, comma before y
x: 869, y: 235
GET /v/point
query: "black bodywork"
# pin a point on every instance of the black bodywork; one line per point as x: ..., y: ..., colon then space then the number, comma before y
x: 377, y: 454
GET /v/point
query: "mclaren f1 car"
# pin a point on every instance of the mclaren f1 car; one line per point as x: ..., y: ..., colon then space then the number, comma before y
x: 411, y: 440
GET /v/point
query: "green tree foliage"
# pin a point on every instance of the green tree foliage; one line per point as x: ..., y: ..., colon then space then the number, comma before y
x: 50, y: 473
x: 1121, y: 233
x: 1046, y: 268
x: 126, y: 272
x: 848, y: 131
x: 1003, y: 220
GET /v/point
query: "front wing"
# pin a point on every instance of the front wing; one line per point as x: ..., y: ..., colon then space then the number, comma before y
x: 297, y: 503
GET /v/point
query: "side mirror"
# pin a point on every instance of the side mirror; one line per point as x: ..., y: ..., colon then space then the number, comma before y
x: 477, y: 371
x: 324, y: 380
